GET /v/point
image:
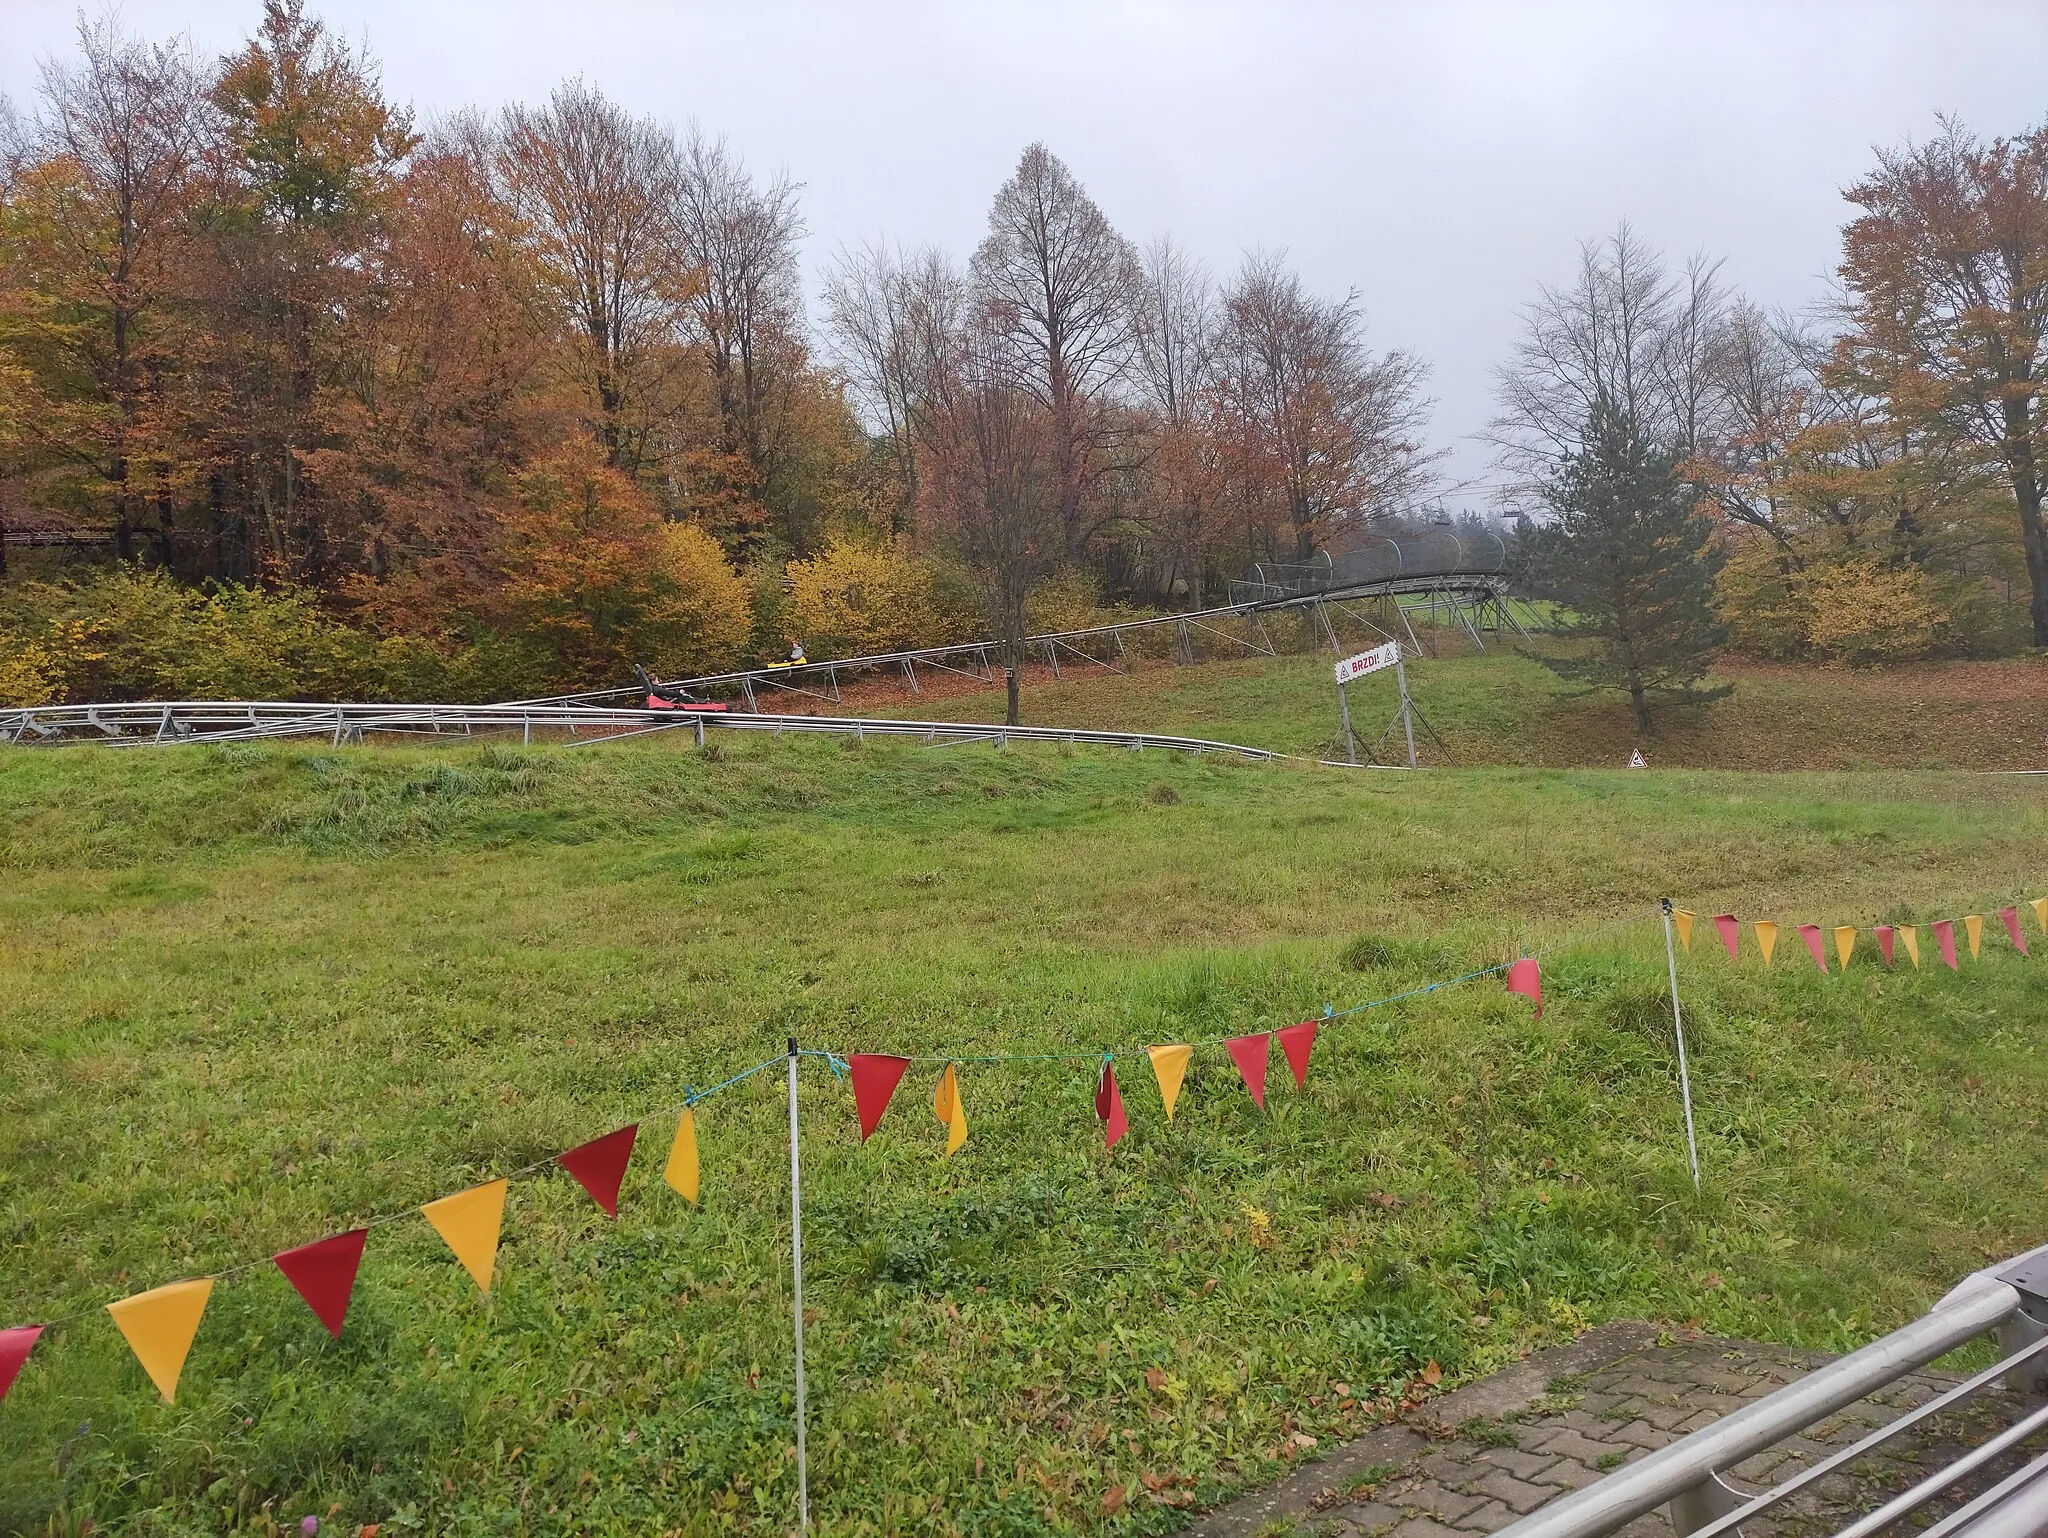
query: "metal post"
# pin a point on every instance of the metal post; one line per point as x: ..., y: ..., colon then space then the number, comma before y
x: 1684, y: 1079
x: 796, y: 1261
x: 1407, y: 714
x: 1344, y: 715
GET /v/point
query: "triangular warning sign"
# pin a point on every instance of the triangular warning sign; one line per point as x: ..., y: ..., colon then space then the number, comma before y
x: 1637, y: 761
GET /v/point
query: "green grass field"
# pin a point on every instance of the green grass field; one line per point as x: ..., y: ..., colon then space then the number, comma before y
x: 1504, y: 708
x: 252, y: 996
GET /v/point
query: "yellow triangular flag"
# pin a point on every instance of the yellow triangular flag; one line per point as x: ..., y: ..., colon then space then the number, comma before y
x: 1911, y: 935
x: 1845, y: 941
x: 1169, y: 1067
x: 1974, y: 923
x: 2040, y: 907
x: 469, y: 1221
x: 1766, y: 938
x: 1683, y: 919
x: 681, y: 1173
x: 160, y: 1325
x: 947, y: 1106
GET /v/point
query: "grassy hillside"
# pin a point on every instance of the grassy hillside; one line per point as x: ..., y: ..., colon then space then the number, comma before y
x: 251, y: 996
x: 1504, y: 708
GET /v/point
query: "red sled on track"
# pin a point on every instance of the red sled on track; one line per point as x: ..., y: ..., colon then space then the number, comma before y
x: 659, y: 698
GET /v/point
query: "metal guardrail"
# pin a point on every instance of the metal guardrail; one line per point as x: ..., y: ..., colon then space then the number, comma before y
x: 1686, y: 1476
x: 163, y: 722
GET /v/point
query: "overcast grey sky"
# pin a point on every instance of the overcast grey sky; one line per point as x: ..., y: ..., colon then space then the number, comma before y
x: 1442, y: 159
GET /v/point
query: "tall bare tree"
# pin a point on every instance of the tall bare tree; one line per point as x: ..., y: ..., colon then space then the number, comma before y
x: 1332, y: 428
x: 594, y: 188
x: 740, y: 238
x: 891, y: 317
x: 1065, y: 289
x: 1176, y: 331
x: 121, y: 139
x: 993, y: 489
x: 1624, y: 331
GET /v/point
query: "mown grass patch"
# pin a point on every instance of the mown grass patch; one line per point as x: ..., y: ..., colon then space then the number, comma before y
x: 249, y: 996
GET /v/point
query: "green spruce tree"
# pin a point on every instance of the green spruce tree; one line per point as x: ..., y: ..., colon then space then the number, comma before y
x: 1633, y: 567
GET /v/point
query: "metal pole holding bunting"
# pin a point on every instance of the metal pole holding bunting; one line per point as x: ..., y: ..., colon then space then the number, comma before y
x: 1692, y: 1148
x: 796, y: 1262
x: 1407, y: 712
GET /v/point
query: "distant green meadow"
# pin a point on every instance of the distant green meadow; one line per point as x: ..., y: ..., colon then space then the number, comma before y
x: 252, y: 996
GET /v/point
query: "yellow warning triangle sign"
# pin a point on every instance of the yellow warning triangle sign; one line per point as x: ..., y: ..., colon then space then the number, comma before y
x: 159, y: 1325
x: 469, y: 1221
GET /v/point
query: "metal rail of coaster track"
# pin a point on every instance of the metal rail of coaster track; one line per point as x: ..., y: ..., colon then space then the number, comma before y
x: 192, y: 721
x: 2009, y: 1301
x: 1460, y: 580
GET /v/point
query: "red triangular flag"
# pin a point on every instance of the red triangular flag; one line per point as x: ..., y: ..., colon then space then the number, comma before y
x: 1731, y: 932
x: 875, y: 1078
x: 1525, y: 977
x: 2010, y: 917
x: 1945, y: 932
x: 1810, y: 933
x: 1884, y: 942
x: 1250, y: 1053
x: 15, y: 1345
x: 1109, y: 1105
x: 1297, y: 1041
x: 325, y: 1274
x: 600, y: 1165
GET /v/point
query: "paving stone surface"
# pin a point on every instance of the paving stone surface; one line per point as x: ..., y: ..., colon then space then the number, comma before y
x: 1473, y: 1462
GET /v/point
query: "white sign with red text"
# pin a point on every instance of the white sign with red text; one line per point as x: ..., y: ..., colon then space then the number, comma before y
x: 1368, y: 662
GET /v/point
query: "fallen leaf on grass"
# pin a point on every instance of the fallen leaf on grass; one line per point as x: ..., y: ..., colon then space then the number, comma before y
x: 1432, y: 1374
x: 1155, y: 1380
x: 1112, y: 1500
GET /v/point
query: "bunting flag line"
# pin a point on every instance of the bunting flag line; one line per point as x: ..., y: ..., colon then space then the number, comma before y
x: 1683, y: 917
x: 1845, y: 943
x: 681, y: 1171
x: 324, y: 1272
x: 1731, y: 933
x: 2040, y: 907
x: 1296, y: 1042
x: 1884, y: 942
x: 600, y: 1166
x: 159, y: 1326
x: 1525, y: 977
x: 15, y: 1345
x: 1910, y: 933
x: 1973, y: 925
x: 947, y: 1107
x: 1945, y: 937
x: 2010, y: 918
x: 1810, y: 933
x: 1766, y: 938
x: 875, y: 1078
x: 1109, y: 1106
x: 469, y: 1222
x: 1169, y: 1067
x: 1250, y: 1053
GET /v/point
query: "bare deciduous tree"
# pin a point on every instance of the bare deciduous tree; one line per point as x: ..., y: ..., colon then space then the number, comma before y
x: 1333, y: 429
x: 1625, y: 331
x: 129, y: 121
x: 594, y: 188
x: 1064, y: 285
x: 993, y: 489
x: 891, y: 317
x: 740, y: 239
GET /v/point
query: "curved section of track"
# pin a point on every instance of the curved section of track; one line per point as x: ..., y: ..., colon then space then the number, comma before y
x: 145, y: 725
